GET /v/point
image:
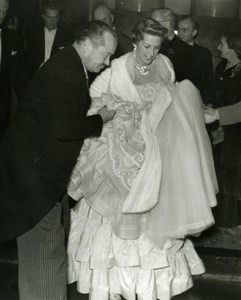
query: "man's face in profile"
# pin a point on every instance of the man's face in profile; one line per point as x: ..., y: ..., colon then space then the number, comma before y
x: 99, y: 55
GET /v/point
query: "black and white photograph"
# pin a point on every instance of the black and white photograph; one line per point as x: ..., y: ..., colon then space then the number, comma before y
x: 120, y: 149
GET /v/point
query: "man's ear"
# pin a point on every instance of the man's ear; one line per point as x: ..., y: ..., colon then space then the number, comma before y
x: 88, y: 45
x: 194, y: 33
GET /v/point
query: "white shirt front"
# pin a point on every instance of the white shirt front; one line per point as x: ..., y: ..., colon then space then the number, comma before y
x: 191, y: 43
x: 49, y: 36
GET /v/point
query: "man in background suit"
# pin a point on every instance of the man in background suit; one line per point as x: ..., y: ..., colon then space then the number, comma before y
x: 103, y: 13
x: 124, y: 45
x: 44, y: 41
x: 11, y: 53
x: 38, y: 153
x: 202, y: 65
x: 175, y: 49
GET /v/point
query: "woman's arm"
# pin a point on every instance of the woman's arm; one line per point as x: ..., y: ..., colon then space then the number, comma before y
x: 230, y: 114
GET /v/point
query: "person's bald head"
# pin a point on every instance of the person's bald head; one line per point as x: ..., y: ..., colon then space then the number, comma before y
x: 4, y: 4
x: 103, y: 13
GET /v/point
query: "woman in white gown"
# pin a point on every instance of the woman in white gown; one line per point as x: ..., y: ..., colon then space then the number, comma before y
x: 145, y: 185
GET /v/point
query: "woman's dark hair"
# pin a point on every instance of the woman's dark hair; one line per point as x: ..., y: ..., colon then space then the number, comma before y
x: 149, y: 26
x: 94, y: 31
x: 233, y: 40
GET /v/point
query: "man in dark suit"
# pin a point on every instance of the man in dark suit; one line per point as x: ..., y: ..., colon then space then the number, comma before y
x: 175, y: 49
x: 38, y: 153
x: 202, y: 65
x: 45, y: 40
x: 11, y: 51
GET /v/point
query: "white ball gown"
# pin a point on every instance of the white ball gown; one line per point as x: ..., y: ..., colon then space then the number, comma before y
x: 142, y: 188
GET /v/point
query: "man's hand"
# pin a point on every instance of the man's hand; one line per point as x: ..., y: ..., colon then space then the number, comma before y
x: 106, y: 115
x: 210, y: 115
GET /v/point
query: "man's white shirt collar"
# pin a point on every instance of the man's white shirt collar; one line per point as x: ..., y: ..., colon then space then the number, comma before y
x: 53, y: 31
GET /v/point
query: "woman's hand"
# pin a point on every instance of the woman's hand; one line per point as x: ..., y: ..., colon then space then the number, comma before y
x: 210, y: 115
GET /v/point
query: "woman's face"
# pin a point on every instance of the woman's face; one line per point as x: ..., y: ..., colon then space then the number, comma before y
x: 147, y: 49
x: 224, y: 49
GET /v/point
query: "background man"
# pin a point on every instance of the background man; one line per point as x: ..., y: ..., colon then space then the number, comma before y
x: 11, y: 57
x: 38, y: 153
x: 44, y: 41
x: 202, y: 65
x: 103, y: 13
x: 178, y: 52
x: 124, y: 43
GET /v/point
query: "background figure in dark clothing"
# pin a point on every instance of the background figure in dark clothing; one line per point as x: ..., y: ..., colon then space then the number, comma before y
x: 202, y: 65
x: 45, y: 40
x: 175, y: 49
x: 11, y: 62
x: 227, y: 153
x: 37, y: 155
x: 124, y: 43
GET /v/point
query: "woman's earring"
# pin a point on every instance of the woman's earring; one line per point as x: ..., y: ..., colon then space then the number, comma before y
x: 134, y: 47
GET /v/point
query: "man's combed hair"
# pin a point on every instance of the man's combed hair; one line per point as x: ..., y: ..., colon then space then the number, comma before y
x: 52, y: 5
x: 149, y: 26
x: 94, y: 31
x: 167, y: 14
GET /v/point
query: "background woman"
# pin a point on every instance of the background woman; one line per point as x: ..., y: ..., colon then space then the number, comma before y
x: 145, y: 185
x: 227, y: 154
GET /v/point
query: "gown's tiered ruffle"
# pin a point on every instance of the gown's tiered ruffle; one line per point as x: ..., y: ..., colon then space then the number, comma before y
x: 102, y: 263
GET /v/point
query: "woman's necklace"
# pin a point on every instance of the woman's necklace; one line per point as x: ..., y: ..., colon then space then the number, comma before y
x: 144, y: 70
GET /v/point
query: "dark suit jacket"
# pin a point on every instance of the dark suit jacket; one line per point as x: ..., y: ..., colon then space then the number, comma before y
x: 191, y: 62
x: 43, y: 142
x: 180, y: 55
x: 202, y: 71
x: 35, y: 47
x: 124, y: 44
x: 10, y: 72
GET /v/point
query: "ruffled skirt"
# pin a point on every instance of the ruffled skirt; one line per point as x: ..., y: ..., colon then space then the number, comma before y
x: 102, y: 263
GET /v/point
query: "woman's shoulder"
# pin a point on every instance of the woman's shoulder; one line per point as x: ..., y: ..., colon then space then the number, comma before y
x: 164, y: 58
x: 232, y: 72
x: 120, y: 59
